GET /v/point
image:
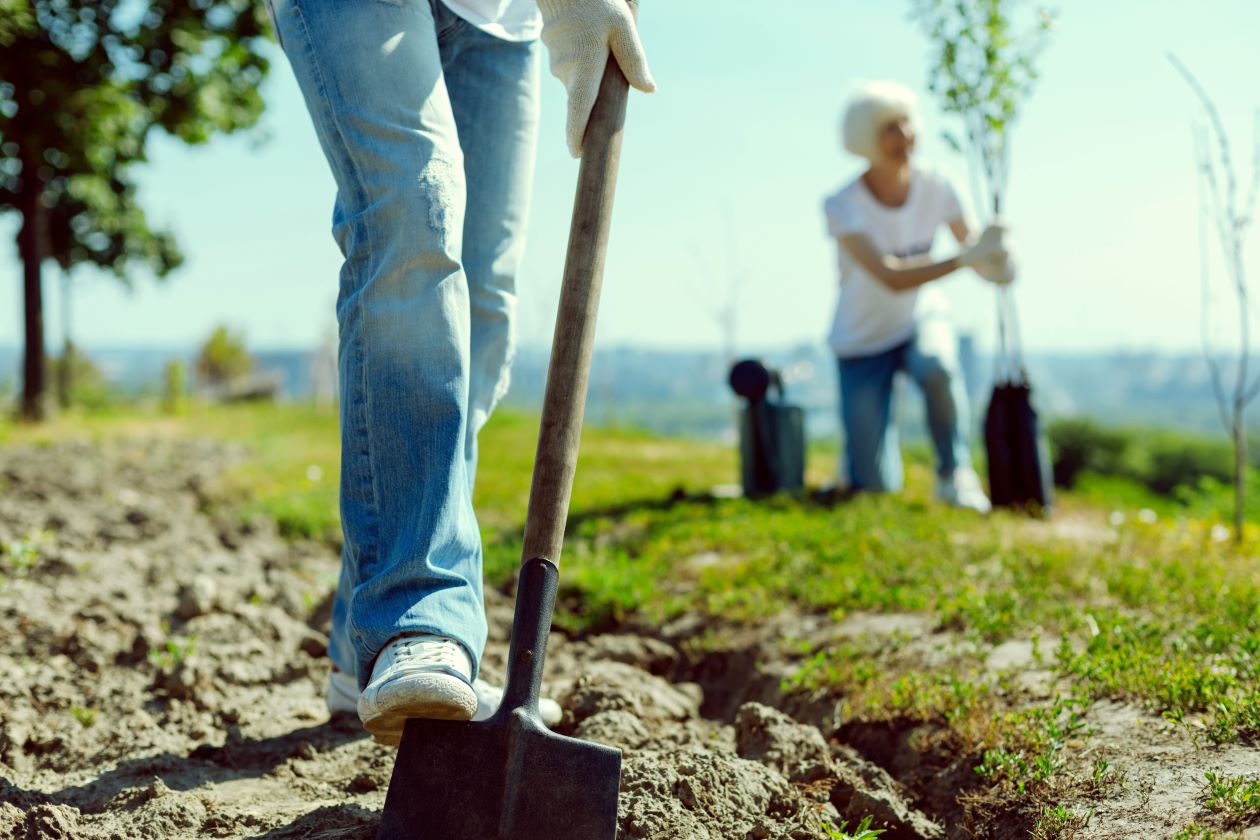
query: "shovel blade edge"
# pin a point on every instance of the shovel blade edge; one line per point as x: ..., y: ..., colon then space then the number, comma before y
x: 507, y: 779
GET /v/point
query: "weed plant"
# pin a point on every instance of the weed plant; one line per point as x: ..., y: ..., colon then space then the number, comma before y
x: 1237, y: 798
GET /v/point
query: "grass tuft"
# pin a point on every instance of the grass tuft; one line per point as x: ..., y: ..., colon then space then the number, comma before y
x: 1235, y: 797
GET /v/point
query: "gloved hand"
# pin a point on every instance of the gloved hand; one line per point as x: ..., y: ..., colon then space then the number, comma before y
x: 990, y: 247
x: 999, y: 272
x: 579, y: 35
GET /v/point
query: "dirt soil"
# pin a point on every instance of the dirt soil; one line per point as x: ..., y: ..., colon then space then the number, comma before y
x: 162, y: 674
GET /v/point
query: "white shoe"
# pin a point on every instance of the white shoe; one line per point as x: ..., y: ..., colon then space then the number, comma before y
x: 342, y: 694
x: 421, y: 676
x: 490, y: 696
x: 962, y: 489
x: 342, y: 697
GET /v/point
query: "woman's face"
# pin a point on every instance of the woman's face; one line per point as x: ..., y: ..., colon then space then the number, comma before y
x: 896, y: 141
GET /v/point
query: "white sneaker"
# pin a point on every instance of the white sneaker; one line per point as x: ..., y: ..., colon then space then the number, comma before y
x: 342, y: 697
x: 342, y: 694
x: 421, y: 676
x: 490, y: 696
x: 962, y: 489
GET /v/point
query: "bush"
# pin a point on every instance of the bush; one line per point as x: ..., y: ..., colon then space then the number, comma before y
x: 1081, y: 445
x: 1160, y: 460
x: 1176, y: 460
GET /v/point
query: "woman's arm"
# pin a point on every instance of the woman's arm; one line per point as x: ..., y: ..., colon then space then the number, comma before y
x: 960, y: 230
x: 904, y: 274
x: 894, y: 272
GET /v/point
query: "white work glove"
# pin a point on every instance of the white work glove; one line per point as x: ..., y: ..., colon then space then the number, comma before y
x: 579, y: 35
x: 990, y: 247
x: 999, y: 272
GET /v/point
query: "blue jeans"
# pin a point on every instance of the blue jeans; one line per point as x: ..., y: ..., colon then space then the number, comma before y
x: 871, y: 445
x: 428, y: 125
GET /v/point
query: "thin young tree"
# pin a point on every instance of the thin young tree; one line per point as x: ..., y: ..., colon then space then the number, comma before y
x: 983, y: 68
x: 720, y: 299
x: 1226, y: 212
x: 83, y: 84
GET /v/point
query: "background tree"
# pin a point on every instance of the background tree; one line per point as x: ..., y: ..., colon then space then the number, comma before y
x: 86, y: 382
x: 223, y: 358
x: 83, y: 83
x: 983, y: 69
x: 1226, y: 212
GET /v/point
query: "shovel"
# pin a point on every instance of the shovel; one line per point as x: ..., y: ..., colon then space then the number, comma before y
x: 510, y: 778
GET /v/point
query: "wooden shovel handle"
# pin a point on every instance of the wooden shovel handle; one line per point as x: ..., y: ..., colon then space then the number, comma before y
x: 565, y: 402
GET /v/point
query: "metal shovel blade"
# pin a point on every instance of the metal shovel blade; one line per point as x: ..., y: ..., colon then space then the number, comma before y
x: 509, y: 778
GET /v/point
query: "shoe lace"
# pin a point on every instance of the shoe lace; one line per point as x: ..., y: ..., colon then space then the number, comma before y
x: 427, y: 651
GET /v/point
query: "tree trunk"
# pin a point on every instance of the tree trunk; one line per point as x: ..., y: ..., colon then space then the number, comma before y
x: 65, y: 370
x: 31, y: 248
x: 1240, y: 472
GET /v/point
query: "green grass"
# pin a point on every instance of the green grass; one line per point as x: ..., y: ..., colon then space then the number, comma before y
x: 285, y: 442
x: 18, y: 557
x: 1123, y: 495
x: 1198, y: 831
x: 862, y: 831
x: 173, y: 653
x: 85, y: 716
x: 1056, y: 822
x: 1237, y: 798
x: 1155, y: 608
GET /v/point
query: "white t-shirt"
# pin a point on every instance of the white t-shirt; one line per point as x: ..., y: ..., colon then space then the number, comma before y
x: 511, y: 20
x: 871, y: 317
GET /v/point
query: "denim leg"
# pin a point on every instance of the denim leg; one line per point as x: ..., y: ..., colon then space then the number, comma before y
x: 494, y: 91
x: 872, y: 447
x: 932, y: 361
x: 372, y: 78
x: 340, y: 648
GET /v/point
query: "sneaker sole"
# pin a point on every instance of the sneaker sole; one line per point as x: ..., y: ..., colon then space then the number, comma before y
x: 437, y: 700
x: 387, y: 728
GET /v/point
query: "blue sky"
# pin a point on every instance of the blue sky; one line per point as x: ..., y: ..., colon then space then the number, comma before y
x: 723, y: 175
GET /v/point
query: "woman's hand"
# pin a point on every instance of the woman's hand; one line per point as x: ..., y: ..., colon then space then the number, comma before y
x: 998, y: 272
x: 991, y: 247
x: 1000, y: 269
x: 579, y: 35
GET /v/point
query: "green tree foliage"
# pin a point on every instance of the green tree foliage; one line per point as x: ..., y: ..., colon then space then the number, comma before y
x: 223, y: 358
x: 982, y: 69
x: 83, y: 83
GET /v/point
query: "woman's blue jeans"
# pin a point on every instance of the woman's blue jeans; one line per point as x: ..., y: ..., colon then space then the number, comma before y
x: 872, y: 447
x: 428, y: 125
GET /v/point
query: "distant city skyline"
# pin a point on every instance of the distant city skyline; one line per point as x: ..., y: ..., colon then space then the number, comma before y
x: 723, y: 174
x: 686, y: 393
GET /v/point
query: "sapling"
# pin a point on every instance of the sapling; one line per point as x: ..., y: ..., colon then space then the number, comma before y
x: 983, y: 69
x: 1226, y: 211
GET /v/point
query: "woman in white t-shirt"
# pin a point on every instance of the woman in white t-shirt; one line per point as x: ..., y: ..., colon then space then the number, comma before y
x: 890, y: 317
